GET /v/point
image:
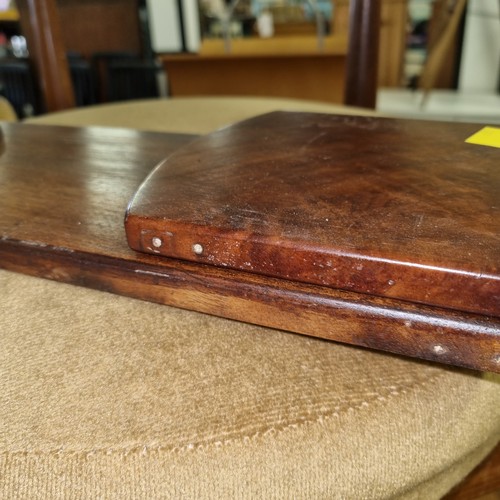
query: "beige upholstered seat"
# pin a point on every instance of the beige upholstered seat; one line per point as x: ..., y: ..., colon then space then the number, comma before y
x: 7, y: 112
x: 109, y: 397
x: 190, y: 115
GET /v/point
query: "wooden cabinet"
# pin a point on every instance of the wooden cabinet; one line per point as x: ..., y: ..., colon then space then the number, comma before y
x: 280, y: 67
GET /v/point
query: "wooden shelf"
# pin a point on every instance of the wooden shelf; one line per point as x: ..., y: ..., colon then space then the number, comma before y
x: 276, y: 46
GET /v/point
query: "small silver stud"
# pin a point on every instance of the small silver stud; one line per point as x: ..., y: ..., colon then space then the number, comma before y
x: 156, y: 242
x: 439, y: 349
x: 496, y: 359
x: 197, y: 249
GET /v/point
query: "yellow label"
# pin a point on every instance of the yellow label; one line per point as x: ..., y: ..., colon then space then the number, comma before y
x: 487, y: 136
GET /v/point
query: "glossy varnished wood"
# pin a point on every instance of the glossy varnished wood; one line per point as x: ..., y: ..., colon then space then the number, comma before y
x: 69, y: 187
x: 63, y: 194
x: 392, y: 208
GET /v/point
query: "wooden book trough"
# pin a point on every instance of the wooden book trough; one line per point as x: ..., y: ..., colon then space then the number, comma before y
x: 392, y: 225
x: 375, y: 232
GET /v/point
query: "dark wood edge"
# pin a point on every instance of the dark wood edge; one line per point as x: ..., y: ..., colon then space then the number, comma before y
x: 481, y: 482
x: 383, y: 324
x: 178, y: 244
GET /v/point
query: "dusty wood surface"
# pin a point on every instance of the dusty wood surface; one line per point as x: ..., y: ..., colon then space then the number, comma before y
x: 63, y: 194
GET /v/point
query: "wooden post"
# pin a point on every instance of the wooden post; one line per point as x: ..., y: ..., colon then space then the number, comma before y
x: 362, y: 58
x: 40, y: 25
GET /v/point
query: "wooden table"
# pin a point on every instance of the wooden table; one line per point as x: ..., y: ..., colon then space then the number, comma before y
x: 63, y: 195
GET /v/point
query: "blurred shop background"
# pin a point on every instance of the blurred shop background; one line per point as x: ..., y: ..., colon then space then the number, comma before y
x: 131, y: 49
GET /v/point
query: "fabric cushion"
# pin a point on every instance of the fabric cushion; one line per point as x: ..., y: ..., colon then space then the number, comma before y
x: 110, y: 397
x: 7, y: 112
x: 192, y: 115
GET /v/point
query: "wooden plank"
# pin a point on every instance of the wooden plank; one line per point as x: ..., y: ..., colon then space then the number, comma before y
x: 63, y: 194
x: 69, y: 187
x: 393, y: 208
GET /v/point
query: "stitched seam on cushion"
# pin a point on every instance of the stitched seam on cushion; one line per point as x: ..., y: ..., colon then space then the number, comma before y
x: 266, y: 431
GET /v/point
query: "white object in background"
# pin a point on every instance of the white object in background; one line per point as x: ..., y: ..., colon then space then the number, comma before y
x: 19, y: 46
x: 441, y: 104
x: 480, y: 62
x: 191, y: 25
x: 420, y: 10
x: 265, y: 24
x: 165, y: 25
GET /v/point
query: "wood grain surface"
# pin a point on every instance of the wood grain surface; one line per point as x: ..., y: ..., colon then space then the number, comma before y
x: 63, y: 195
x: 392, y: 208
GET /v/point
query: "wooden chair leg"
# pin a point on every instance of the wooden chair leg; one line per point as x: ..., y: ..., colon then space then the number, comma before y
x: 438, y: 53
x: 40, y: 24
x: 362, y: 58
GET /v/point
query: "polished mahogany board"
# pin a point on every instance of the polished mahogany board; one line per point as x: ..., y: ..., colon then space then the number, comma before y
x: 391, y: 208
x: 63, y: 195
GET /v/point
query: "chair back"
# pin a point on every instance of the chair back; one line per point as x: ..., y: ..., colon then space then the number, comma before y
x: 55, y: 79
